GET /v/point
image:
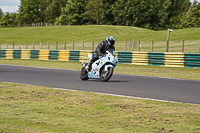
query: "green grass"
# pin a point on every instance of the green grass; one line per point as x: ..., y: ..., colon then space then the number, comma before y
x: 157, y: 71
x: 97, y: 33
x: 92, y: 33
x: 25, y: 108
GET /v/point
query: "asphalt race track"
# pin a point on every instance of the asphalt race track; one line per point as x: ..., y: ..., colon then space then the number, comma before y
x: 186, y: 91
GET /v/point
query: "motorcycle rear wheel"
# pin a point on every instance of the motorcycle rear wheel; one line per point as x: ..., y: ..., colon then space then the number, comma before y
x: 105, y: 76
x: 84, y: 74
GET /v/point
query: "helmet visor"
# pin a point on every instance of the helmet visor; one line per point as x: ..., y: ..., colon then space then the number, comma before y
x: 112, y: 43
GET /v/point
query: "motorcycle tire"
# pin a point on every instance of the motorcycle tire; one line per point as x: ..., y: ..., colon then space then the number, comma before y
x: 105, y: 76
x: 84, y: 74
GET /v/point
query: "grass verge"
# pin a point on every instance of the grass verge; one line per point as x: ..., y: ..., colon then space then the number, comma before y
x: 92, y: 33
x: 98, y: 33
x: 157, y: 71
x: 25, y: 108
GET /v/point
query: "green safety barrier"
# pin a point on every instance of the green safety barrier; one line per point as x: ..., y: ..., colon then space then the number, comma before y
x: 191, y: 60
x: 124, y: 57
x: 53, y: 54
x: 157, y: 59
x: 74, y: 55
x: 2, y: 53
x: 138, y: 58
x: 34, y: 54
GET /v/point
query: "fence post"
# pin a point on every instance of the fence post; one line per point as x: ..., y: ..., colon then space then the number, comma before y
x: 133, y: 42
x: 73, y: 46
x: 19, y: 45
x: 199, y: 46
x: 125, y: 49
x: 167, y: 46
x: 82, y: 45
x: 33, y: 45
x: 6, y: 45
x: 152, y: 46
x: 40, y: 45
x: 48, y: 45
x: 56, y: 45
x: 182, y: 46
x: 26, y: 45
x: 64, y: 45
x: 139, y: 45
x: 93, y: 46
x: 13, y: 45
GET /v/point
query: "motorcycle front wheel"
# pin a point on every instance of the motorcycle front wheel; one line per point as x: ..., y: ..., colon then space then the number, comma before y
x: 106, y: 75
x: 84, y: 74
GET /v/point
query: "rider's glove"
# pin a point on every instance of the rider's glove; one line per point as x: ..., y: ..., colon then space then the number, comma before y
x: 101, y: 54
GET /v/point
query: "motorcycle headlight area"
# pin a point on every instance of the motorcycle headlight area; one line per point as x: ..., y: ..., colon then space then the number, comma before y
x: 115, y: 60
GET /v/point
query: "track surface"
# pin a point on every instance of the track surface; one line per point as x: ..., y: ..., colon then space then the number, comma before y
x: 129, y: 85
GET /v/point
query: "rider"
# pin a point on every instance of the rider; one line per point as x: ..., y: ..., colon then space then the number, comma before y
x: 101, y: 50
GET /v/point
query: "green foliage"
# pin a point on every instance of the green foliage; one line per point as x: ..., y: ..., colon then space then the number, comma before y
x: 94, y: 11
x: 191, y: 18
x: 53, y: 9
x: 151, y: 14
x: 1, y: 13
x: 107, y: 16
x: 9, y: 19
x: 5, y: 20
x: 29, y: 12
x: 33, y: 11
x: 171, y: 13
x: 73, y: 13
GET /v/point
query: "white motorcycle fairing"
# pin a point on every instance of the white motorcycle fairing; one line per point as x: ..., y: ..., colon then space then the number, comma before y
x: 110, y: 60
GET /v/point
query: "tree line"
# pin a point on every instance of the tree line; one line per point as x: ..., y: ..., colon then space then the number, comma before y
x: 150, y: 14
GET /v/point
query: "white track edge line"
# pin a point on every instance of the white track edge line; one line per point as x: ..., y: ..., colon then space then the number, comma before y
x: 109, y: 94
x: 152, y: 99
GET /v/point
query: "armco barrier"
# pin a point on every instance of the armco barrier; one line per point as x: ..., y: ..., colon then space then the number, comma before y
x: 138, y: 58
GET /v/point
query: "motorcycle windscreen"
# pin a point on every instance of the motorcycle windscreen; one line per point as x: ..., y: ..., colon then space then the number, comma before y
x: 112, y: 51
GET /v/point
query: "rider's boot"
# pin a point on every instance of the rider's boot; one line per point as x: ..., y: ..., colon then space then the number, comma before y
x: 89, y: 66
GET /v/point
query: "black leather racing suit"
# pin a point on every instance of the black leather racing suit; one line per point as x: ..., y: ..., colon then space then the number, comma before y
x: 101, y: 49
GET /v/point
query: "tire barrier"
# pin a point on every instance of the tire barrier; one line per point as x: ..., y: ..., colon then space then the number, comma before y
x: 167, y: 59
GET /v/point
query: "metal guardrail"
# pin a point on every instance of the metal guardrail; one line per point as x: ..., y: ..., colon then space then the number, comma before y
x: 138, y: 58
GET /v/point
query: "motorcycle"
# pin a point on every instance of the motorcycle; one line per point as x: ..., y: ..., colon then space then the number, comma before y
x: 101, y: 68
